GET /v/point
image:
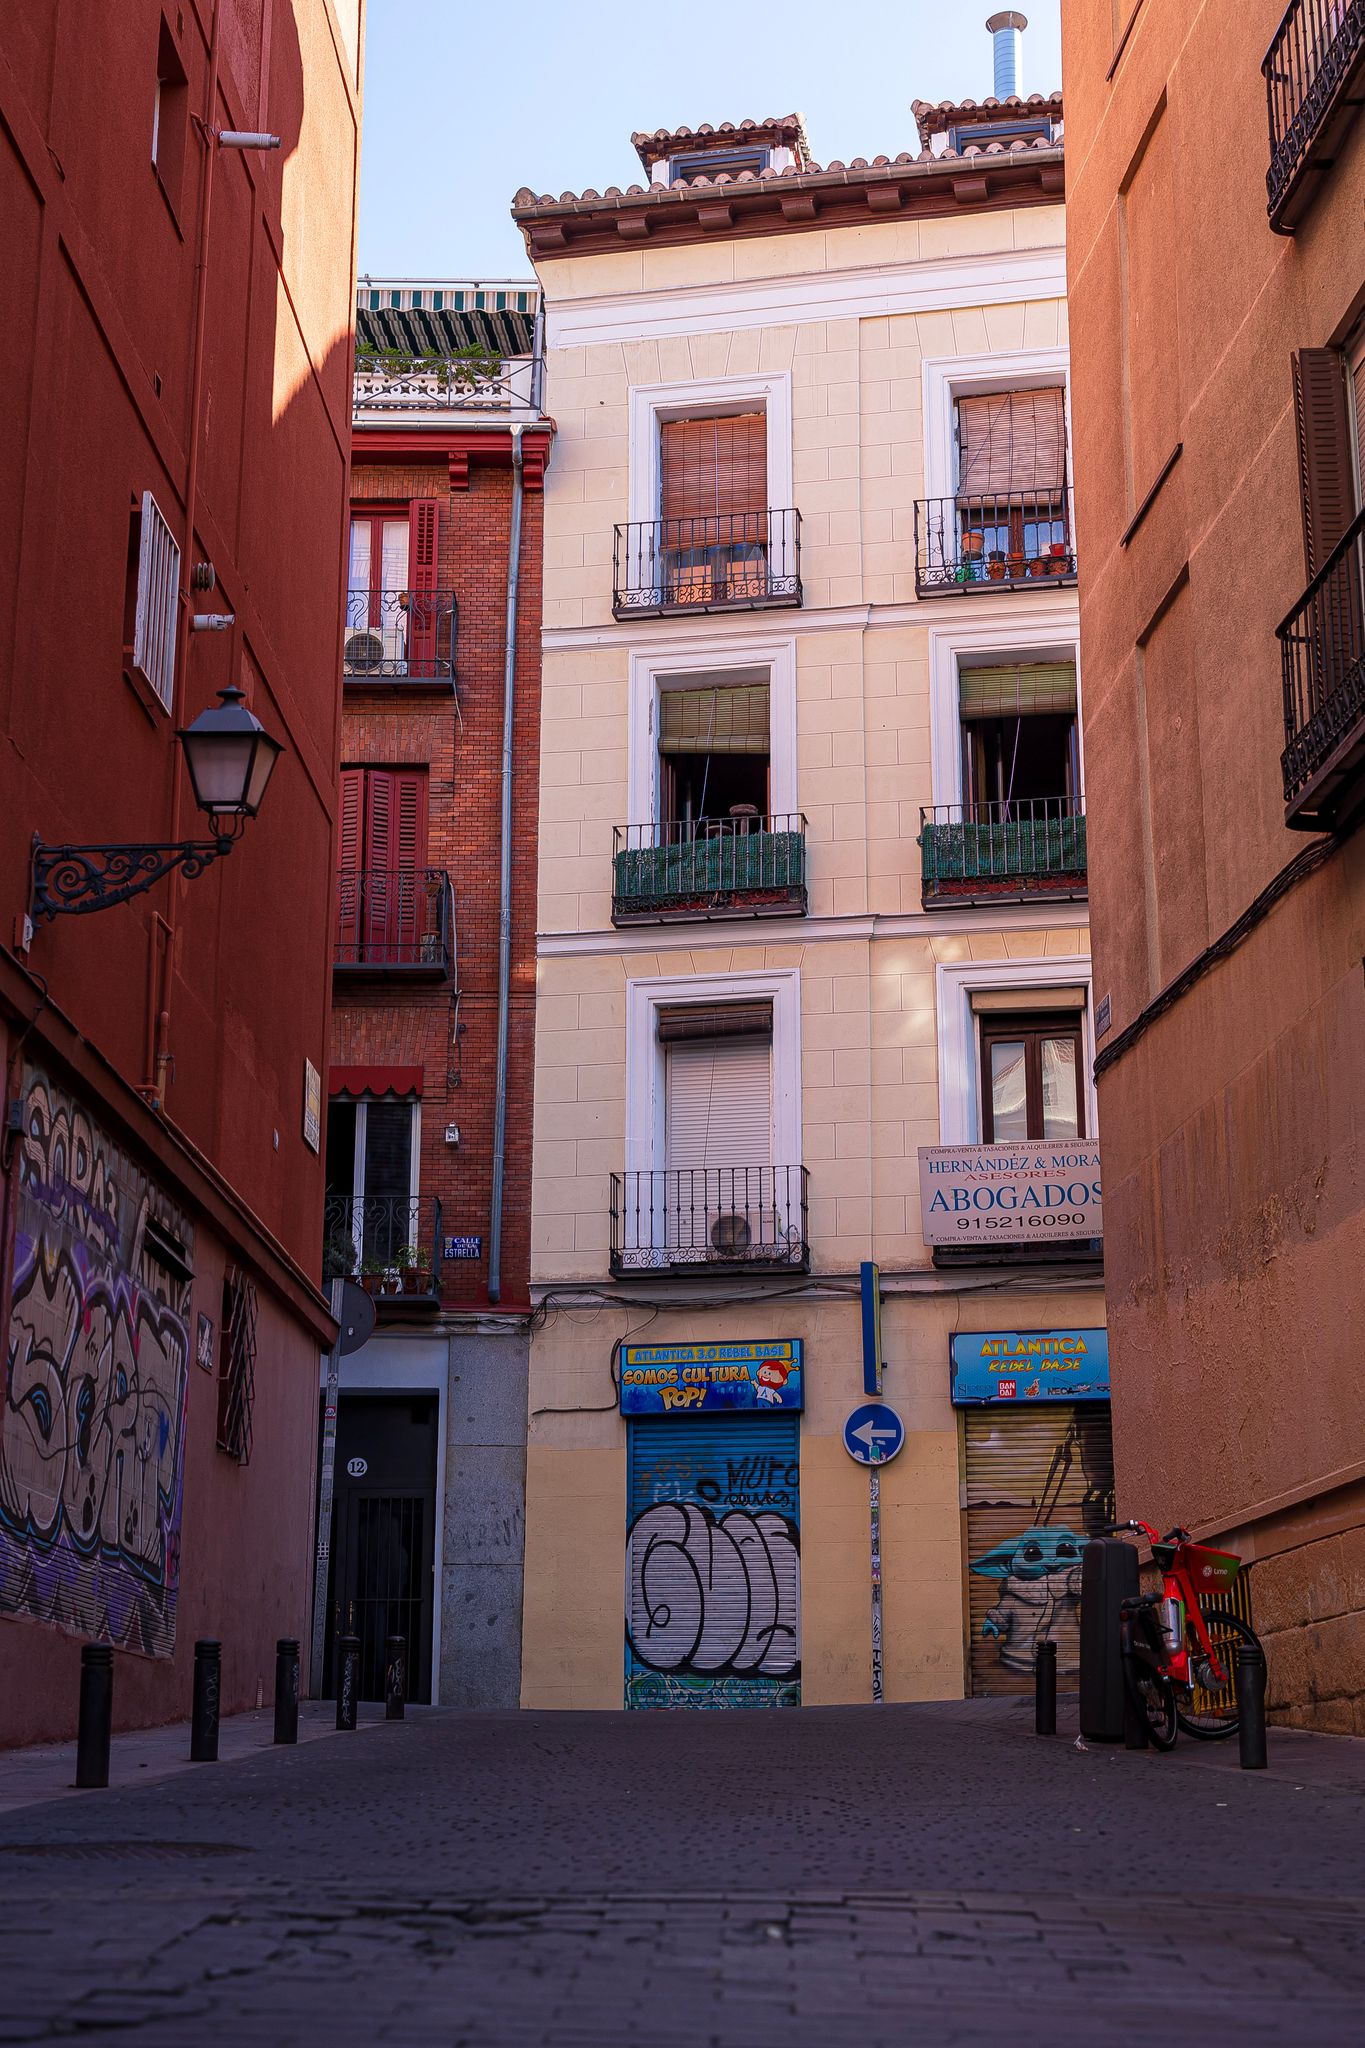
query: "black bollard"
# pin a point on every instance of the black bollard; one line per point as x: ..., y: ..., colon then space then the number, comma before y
x: 1135, y: 1734
x: 395, y: 1677
x: 286, y: 1690
x: 1045, y: 1690
x: 348, y: 1680
x: 207, y: 1695
x: 97, y: 1715
x: 1249, y: 1661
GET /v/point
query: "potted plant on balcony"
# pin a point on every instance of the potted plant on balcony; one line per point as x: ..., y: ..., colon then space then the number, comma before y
x: 973, y: 541
x: 995, y: 565
x: 1017, y: 566
x: 372, y: 1275
x: 1059, y: 558
x: 338, y: 1257
x: 415, y: 1264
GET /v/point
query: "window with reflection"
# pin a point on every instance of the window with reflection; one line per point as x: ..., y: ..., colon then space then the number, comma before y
x: 1031, y: 1080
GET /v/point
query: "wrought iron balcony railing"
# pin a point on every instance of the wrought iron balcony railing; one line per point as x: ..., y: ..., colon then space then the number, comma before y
x: 710, y: 1219
x: 1002, y: 852
x: 738, y: 561
x: 389, y: 1244
x: 1322, y: 655
x: 399, y: 636
x: 1314, y: 71
x: 396, y: 920
x: 388, y: 380
x: 995, y: 543
x: 710, y: 867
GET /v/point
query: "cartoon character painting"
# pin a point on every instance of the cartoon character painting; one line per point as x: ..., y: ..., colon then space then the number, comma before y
x: 1040, y: 1599
x: 771, y: 1377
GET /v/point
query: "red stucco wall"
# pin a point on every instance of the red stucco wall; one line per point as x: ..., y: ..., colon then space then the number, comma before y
x: 228, y: 976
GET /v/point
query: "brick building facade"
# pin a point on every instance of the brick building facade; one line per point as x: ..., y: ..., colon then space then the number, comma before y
x: 415, y: 1031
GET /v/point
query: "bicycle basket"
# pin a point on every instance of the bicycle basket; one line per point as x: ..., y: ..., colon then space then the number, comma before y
x: 1212, y: 1571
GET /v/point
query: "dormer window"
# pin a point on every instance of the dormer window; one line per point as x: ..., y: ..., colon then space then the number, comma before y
x: 709, y: 163
x: 980, y: 134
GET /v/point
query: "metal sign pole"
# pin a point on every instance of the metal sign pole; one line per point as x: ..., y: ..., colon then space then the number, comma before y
x: 326, y: 1470
x: 874, y: 1494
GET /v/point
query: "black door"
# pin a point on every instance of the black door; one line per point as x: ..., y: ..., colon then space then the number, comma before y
x: 383, y: 1536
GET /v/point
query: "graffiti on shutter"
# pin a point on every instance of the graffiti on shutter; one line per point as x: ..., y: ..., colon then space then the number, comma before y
x: 713, y: 1562
x: 1040, y: 1484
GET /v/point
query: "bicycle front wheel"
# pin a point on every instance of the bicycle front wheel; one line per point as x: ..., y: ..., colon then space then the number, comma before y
x: 1212, y: 1714
x: 1152, y: 1697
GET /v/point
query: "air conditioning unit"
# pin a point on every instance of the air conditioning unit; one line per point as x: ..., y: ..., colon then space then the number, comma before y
x: 731, y: 1236
x: 363, y: 655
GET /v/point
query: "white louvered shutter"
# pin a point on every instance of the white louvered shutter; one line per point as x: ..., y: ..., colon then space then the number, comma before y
x: 719, y: 1103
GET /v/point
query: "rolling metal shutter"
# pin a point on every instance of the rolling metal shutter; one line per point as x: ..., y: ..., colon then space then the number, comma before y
x: 1040, y: 1482
x: 713, y: 1595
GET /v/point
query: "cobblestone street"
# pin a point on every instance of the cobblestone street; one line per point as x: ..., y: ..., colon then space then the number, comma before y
x: 712, y: 1881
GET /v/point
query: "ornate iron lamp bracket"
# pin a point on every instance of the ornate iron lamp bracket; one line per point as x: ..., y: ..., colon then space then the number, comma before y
x: 75, y: 880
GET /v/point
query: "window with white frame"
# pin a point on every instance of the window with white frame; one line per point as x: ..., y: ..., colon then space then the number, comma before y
x: 373, y: 1164
x: 709, y: 743
x: 1015, y: 1049
x: 711, y: 467
x: 713, y: 1123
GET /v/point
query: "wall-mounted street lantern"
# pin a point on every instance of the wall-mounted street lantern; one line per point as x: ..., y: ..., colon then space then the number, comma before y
x: 230, y: 757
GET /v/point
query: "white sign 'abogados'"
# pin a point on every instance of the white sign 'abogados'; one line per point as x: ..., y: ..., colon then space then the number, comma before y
x: 1010, y: 1194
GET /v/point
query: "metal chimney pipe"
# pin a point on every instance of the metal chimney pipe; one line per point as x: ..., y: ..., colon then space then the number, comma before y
x: 1005, y: 30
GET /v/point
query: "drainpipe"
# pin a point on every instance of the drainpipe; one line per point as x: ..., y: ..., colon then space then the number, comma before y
x: 509, y: 700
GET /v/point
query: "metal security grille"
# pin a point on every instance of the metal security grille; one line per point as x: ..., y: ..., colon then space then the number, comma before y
x: 158, y: 588
x: 392, y: 1577
x: 1040, y: 1483
x: 713, y: 1576
x: 237, y: 1379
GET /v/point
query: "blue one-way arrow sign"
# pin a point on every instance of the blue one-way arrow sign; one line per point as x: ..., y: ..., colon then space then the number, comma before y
x: 873, y: 1433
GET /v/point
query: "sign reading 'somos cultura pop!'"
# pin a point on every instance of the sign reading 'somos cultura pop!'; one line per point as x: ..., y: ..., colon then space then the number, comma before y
x: 1010, y: 1194
x: 1028, y: 1365
x: 692, y: 1379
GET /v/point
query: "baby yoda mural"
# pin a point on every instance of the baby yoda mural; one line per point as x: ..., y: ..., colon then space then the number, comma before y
x: 1040, y: 1598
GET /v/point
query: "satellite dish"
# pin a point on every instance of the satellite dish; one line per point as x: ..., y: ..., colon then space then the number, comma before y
x: 356, y: 1316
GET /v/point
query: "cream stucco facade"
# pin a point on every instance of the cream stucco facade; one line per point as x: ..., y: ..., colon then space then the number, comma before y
x: 855, y: 341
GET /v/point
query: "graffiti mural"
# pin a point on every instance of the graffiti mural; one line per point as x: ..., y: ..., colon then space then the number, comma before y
x: 93, y: 1428
x: 1040, y: 1484
x: 713, y: 1577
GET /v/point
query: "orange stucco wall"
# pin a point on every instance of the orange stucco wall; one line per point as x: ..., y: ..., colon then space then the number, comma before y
x: 1232, y: 1129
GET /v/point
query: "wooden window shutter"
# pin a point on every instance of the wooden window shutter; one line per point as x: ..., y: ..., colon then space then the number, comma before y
x: 349, y: 861
x: 409, y: 818
x: 1326, y: 469
x: 407, y: 909
x: 424, y: 534
x: 713, y: 467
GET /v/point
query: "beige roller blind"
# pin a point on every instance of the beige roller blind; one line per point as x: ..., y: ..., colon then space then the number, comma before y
x: 732, y: 719
x: 990, y: 1002
x: 718, y: 1103
x: 1012, y: 692
x: 1011, y: 444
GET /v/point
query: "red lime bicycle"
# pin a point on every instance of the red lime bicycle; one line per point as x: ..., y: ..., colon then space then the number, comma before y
x: 1178, y: 1646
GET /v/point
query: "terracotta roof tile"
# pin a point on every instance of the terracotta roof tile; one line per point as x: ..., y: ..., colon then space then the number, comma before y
x: 933, y: 117
x: 788, y: 129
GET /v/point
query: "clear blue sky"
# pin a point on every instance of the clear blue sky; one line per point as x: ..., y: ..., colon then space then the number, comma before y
x: 464, y: 103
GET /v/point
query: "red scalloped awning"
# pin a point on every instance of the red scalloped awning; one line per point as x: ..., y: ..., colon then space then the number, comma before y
x: 357, y: 1081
